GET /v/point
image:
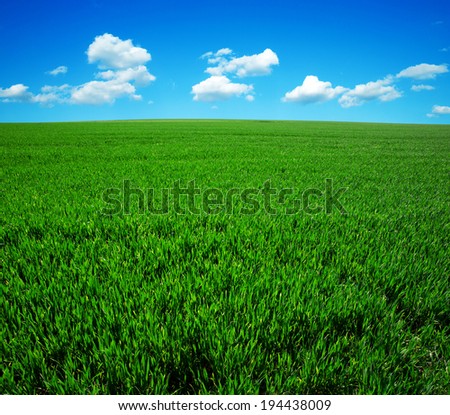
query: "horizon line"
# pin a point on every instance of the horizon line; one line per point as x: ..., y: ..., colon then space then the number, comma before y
x: 218, y: 120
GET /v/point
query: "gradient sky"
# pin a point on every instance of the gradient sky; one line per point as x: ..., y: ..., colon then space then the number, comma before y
x: 374, y: 61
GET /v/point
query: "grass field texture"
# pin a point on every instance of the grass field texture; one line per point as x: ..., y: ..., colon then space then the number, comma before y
x: 225, y: 303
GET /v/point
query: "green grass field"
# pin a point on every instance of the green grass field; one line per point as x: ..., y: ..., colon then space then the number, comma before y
x: 225, y: 302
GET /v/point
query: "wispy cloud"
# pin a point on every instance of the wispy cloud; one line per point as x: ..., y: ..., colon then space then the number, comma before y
x: 418, y: 88
x: 440, y: 109
x: 59, y: 70
x: 138, y: 74
x: 423, y: 71
x: 51, y: 95
x: 213, y: 56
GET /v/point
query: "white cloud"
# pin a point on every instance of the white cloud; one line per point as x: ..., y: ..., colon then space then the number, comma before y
x: 51, y: 88
x: 101, y: 92
x: 418, y: 88
x: 53, y: 94
x: 224, y: 51
x: 126, y: 71
x: 16, y: 93
x: 206, y: 55
x: 313, y: 90
x: 440, y: 109
x: 383, y: 90
x: 47, y: 100
x: 58, y: 70
x: 216, y: 57
x: 219, y: 88
x: 139, y: 75
x: 112, y: 52
x: 48, y: 95
x: 254, y: 65
x: 423, y: 71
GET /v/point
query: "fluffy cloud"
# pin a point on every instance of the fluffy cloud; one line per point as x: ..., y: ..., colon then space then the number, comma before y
x: 47, y: 97
x: 219, y: 88
x: 440, y: 109
x: 313, y: 90
x: 112, y: 52
x: 102, y: 92
x: 383, y: 90
x: 58, y: 70
x: 254, y: 65
x: 126, y: 71
x: 423, y: 71
x: 16, y: 93
x: 418, y: 88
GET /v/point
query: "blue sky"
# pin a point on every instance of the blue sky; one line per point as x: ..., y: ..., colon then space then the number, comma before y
x: 326, y: 60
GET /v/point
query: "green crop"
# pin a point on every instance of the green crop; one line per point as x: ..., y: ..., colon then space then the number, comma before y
x: 224, y: 302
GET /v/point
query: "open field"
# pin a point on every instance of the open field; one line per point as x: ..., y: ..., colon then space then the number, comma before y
x: 226, y: 302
